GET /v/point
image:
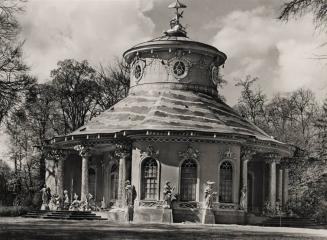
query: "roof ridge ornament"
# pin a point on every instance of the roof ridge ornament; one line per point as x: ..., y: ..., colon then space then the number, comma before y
x: 176, y: 28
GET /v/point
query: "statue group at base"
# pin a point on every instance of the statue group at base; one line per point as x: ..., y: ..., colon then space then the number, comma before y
x: 243, y: 200
x: 208, y: 216
x: 168, y: 195
x: 66, y: 200
x: 55, y: 203
x: 130, y: 195
x: 46, y: 197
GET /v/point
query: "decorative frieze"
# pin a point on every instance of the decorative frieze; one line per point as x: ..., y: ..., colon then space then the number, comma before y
x: 122, y: 151
x: 272, y: 157
x: 188, y: 205
x: 189, y: 153
x: 153, y: 204
x: 151, y: 152
x: 247, y: 153
x: 83, y: 150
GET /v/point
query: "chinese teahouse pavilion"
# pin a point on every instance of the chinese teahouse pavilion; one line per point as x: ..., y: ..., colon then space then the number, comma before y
x: 172, y: 127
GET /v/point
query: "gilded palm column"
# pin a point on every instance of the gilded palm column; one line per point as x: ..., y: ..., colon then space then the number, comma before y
x: 280, y: 185
x: 122, y: 152
x: 272, y: 159
x: 246, y: 156
x: 59, y: 156
x: 285, y: 185
x: 85, y: 153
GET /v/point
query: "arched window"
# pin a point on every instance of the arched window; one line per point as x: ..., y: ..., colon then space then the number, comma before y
x: 226, y: 182
x: 92, y: 181
x: 188, y: 180
x: 149, y: 179
x: 114, y: 182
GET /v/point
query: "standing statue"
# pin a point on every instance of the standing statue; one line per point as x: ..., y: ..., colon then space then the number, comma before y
x: 209, y: 194
x: 45, y: 198
x: 91, y: 203
x: 243, y: 202
x: 103, y: 203
x: 130, y: 195
x: 168, y: 195
x: 66, y: 200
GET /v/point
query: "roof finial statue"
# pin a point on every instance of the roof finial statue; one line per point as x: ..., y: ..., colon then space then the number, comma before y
x: 176, y: 29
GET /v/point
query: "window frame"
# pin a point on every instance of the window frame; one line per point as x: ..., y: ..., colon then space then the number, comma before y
x: 232, y: 181
x: 196, y: 183
x: 142, y: 186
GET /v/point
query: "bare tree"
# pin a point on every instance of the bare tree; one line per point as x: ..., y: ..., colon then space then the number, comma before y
x: 251, y: 102
x: 297, y: 8
x: 113, y: 82
x: 13, y: 79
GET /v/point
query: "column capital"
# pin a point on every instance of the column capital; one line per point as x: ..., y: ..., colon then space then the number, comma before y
x: 284, y: 164
x: 247, y: 154
x: 122, y: 150
x: 57, y: 154
x: 150, y: 151
x: 272, y: 157
x: 83, y: 151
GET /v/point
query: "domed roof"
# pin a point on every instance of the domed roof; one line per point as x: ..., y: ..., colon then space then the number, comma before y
x: 180, y: 104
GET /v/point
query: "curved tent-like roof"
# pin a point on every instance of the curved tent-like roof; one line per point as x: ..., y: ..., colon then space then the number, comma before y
x: 172, y: 109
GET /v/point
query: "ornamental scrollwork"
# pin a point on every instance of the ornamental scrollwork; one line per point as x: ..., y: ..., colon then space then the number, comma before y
x: 150, y: 152
x: 83, y: 151
x: 57, y: 154
x: 247, y: 153
x: 228, y: 154
x: 156, y: 204
x: 272, y: 157
x: 122, y: 151
x: 190, y: 153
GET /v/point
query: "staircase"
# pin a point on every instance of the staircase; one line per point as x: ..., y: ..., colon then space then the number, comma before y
x: 289, y: 222
x: 64, y: 215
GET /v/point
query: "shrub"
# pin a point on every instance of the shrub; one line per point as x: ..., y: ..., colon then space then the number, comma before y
x: 13, y: 211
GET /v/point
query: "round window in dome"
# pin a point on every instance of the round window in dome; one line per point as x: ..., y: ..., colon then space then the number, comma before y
x: 179, y: 68
x: 138, y: 70
x: 215, y: 75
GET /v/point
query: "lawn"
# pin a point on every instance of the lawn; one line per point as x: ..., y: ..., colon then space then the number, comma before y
x: 20, y: 228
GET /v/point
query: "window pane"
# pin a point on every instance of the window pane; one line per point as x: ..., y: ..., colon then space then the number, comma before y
x: 226, y: 182
x: 149, y: 179
x: 188, y: 180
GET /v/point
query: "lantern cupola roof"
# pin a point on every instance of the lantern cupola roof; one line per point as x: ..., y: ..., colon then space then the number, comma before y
x: 176, y: 28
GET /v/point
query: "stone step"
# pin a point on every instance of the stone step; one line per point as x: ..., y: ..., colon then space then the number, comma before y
x: 68, y: 215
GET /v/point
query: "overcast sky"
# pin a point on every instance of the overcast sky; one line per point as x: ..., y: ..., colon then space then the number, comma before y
x: 281, y: 55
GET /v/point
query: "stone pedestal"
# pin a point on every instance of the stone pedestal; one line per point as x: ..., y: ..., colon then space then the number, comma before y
x: 207, y: 216
x: 117, y: 215
x: 45, y: 207
x: 167, y: 215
